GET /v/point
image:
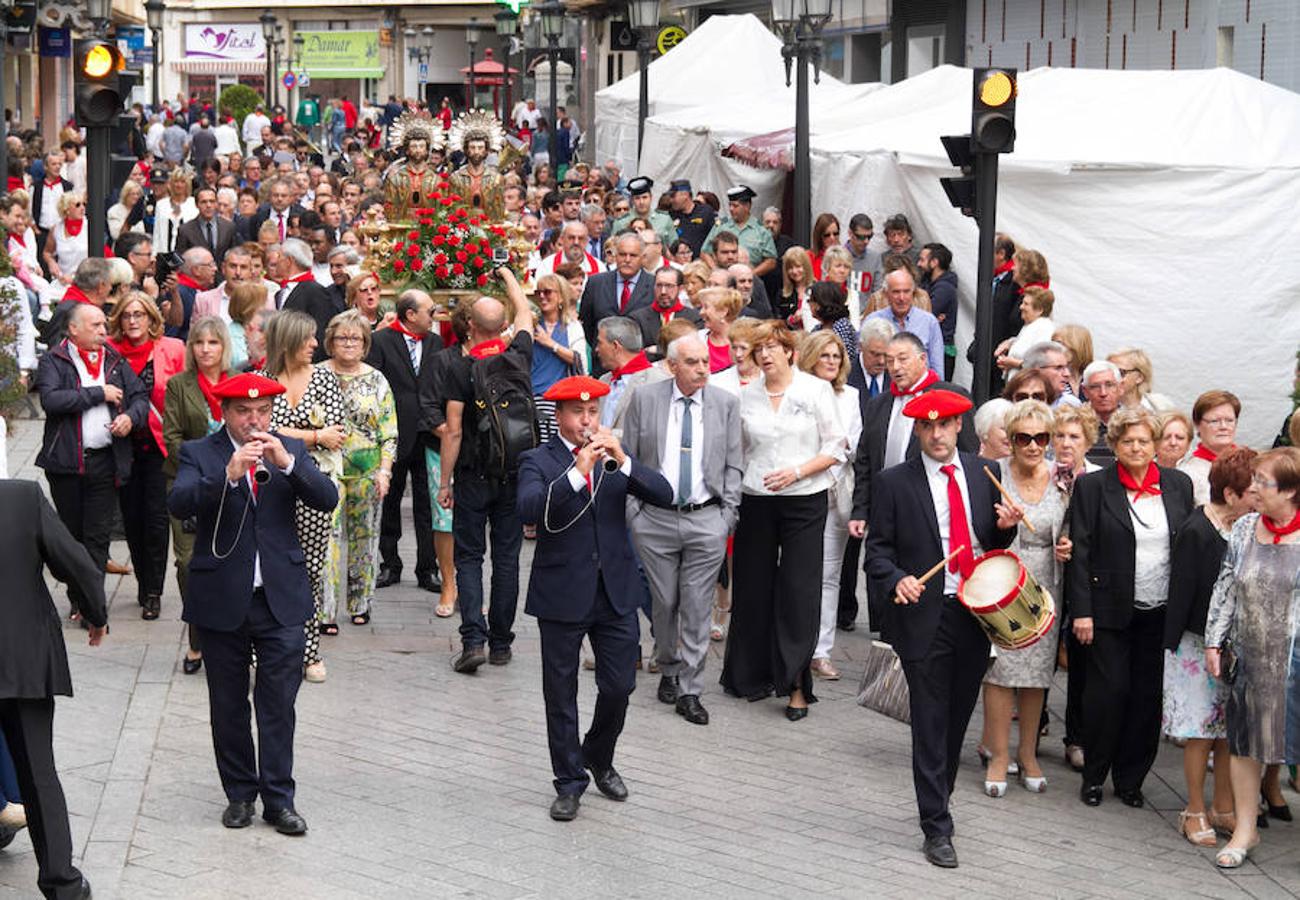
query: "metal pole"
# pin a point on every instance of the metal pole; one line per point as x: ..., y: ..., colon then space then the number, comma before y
x: 270, y: 76
x: 505, y: 77
x: 802, y: 163
x: 469, y: 86
x: 986, y: 194
x: 4, y: 126
x: 98, y: 151
x: 156, y: 55
x: 643, y: 108
x: 553, y: 57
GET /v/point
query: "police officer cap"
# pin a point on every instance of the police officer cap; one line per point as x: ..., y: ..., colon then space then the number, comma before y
x: 935, y: 405
x: 681, y: 184
x: 640, y: 185
x: 248, y: 386
x: 741, y: 192
x: 576, y: 387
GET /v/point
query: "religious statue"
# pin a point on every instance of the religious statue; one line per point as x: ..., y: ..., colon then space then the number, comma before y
x: 411, y: 179
x: 478, y: 133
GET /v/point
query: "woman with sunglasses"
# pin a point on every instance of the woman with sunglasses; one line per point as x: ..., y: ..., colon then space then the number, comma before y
x: 1020, y: 677
x: 559, y: 346
x: 66, y: 244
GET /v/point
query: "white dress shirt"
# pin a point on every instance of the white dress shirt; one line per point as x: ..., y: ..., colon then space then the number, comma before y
x: 1151, y: 552
x: 48, y: 215
x: 577, y: 480
x: 899, y: 434
x: 248, y: 483
x: 938, y: 482
x: 806, y: 424
x: 671, y: 464
x: 95, y: 420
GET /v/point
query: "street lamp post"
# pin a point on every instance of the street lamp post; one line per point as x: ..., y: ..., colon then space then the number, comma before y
x: 153, y: 11
x: 267, y: 19
x: 472, y: 33
x: 643, y: 16
x: 5, y: 7
x: 507, y: 22
x: 99, y: 12
x: 553, y: 28
x: 278, y: 42
x: 801, y: 23
x: 297, y: 66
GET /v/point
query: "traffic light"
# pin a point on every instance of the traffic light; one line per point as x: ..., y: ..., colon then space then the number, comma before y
x: 960, y: 190
x: 98, y: 92
x: 993, y: 111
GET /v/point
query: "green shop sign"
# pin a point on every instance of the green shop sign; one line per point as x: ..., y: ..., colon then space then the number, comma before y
x: 340, y: 54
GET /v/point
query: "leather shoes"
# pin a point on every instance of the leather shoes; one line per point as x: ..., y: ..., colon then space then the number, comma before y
x: 609, y: 783
x: 795, y: 713
x: 1091, y: 796
x: 690, y: 709
x: 430, y: 583
x: 668, y: 689
x: 469, y: 660
x: 83, y: 891
x: 191, y: 666
x: 1131, y: 797
x: 500, y: 656
x: 387, y: 577
x: 939, y: 852
x: 286, y: 821
x: 238, y: 814
x: 564, y: 808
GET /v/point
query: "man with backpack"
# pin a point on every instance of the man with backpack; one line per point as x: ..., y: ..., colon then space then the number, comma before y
x: 491, y: 422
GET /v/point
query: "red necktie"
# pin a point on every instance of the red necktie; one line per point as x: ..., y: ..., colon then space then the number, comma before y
x: 958, y: 530
x: 586, y: 477
x: 252, y: 483
x: 280, y: 218
x: 627, y: 295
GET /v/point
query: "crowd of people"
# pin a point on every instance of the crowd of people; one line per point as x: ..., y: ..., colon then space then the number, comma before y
x: 768, y: 410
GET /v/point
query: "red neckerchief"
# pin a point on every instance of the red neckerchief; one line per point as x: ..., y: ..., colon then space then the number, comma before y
x: 667, y: 314
x: 1205, y: 453
x: 301, y: 276
x: 93, y: 359
x: 1004, y: 268
x: 1045, y: 285
x: 1281, y: 531
x: 638, y: 363
x: 73, y: 226
x: 75, y: 293
x: 1150, y: 481
x: 14, y: 184
x: 137, y: 355
x: 55, y: 183
x: 494, y: 347
x: 926, y: 380
x: 206, y: 387
x: 186, y: 281
x: 18, y: 239
x: 402, y: 329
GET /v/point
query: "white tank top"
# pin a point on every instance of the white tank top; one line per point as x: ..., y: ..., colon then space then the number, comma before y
x: 69, y: 251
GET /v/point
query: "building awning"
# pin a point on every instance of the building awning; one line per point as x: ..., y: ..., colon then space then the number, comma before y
x: 220, y: 66
x: 315, y: 73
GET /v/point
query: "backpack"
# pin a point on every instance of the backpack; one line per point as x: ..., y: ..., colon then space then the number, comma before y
x: 506, y: 423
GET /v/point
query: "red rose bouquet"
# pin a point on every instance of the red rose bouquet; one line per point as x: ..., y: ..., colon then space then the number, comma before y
x: 449, y: 248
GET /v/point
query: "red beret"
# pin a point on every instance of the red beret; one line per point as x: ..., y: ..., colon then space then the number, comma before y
x: 248, y: 386
x: 934, y: 405
x: 576, y: 387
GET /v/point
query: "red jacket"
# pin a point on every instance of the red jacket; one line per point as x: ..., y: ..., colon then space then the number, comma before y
x: 168, y: 360
x: 349, y: 114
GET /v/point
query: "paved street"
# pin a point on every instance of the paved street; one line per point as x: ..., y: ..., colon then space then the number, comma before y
x: 418, y: 782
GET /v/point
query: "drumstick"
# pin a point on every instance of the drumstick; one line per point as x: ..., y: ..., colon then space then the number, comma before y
x: 938, y: 567
x: 993, y: 478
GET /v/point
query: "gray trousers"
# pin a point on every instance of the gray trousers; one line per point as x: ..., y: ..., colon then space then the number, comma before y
x: 681, y: 553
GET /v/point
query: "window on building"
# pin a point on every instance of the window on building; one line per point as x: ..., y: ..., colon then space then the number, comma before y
x: 1223, y: 50
x: 924, y: 48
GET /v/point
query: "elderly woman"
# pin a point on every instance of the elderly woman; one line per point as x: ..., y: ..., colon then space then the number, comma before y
x: 120, y: 211
x: 719, y: 308
x: 1251, y: 642
x: 823, y: 355
x: 343, y: 263
x: 313, y: 410
x: 990, y: 428
x: 825, y: 235
x: 1175, y: 440
x: 681, y: 252
x: 792, y: 437
x: 1030, y: 384
x: 363, y: 294
x: 1123, y: 521
x: 695, y: 278
x: 136, y: 331
x: 173, y: 211
x: 1194, y: 699
x: 796, y: 281
x: 1035, y: 311
x: 559, y: 345
x: 1020, y: 678
x: 1214, y: 414
x: 368, y: 450
x: 1135, y: 381
x: 1077, y: 341
x: 66, y: 244
x: 191, y: 411
x: 246, y: 299
x: 837, y: 267
x: 828, y: 308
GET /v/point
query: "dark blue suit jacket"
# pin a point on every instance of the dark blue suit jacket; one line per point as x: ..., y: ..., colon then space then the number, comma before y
x: 904, y: 540
x: 220, y: 590
x: 562, y: 587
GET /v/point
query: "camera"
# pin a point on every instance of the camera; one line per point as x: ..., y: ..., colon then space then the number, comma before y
x: 501, y: 256
x: 166, y: 265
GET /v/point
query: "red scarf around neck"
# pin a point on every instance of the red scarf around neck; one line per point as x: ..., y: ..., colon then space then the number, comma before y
x: 75, y: 293
x: 1045, y: 285
x: 667, y: 314
x: 1205, y: 453
x: 1150, y: 481
x: 1005, y: 267
x: 214, y: 402
x: 92, y: 359
x: 926, y: 380
x: 402, y: 329
x: 1281, y: 531
x: 638, y: 363
x: 493, y: 347
x: 301, y: 276
x: 18, y: 239
x: 136, y: 355
x: 73, y: 226
x: 186, y: 281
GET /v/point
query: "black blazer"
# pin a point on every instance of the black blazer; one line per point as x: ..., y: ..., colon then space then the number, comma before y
x: 33, y: 657
x: 317, y: 301
x: 191, y: 234
x: 870, y: 457
x: 38, y: 197
x: 1099, y: 578
x: 759, y: 307
x: 651, y: 321
x: 264, y: 212
x: 600, y: 300
x: 414, y: 395
x: 858, y: 379
x: 1193, y: 570
x: 904, y: 540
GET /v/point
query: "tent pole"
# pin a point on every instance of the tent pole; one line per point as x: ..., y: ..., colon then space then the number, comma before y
x: 802, y: 164
x: 986, y: 213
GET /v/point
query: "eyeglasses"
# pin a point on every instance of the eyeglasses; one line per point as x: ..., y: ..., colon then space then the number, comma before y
x: 1102, y: 387
x: 1260, y: 481
x: 1219, y: 423
x: 1024, y: 438
x: 135, y: 314
x: 349, y: 339
x: 1125, y: 373
x: 1027, y: 395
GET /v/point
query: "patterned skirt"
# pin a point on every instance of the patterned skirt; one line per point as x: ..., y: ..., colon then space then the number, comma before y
x: 1195, y: 701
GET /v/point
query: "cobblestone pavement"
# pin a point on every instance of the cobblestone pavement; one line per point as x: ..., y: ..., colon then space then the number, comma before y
x: 418, y: 782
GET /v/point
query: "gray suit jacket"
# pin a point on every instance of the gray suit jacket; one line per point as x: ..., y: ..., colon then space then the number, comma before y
x: 634, y: 381
x: 645, y: 428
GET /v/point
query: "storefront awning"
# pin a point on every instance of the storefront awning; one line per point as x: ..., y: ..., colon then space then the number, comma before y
x: 316, y: 73
x: 220, y: 66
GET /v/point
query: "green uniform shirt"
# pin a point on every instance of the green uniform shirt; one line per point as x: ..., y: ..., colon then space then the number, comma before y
x: 660, y: 222
x: 309, y: 113
x: 756, y: 239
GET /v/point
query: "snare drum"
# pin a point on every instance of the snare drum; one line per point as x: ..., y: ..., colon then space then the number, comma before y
x: 1011, y: 607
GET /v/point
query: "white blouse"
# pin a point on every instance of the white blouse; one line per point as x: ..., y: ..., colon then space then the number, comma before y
x: 806, y: 424
x: 1151, y: 556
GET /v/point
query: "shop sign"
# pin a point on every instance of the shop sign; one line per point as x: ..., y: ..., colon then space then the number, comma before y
x: 214, y: 40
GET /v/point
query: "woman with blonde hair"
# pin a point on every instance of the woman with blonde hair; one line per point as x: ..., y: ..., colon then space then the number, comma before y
x: 118, y: 213
x: 1031, y: 269
x: 559, y: 346
x: 362, y: 294
x: 1135, y: 381
x: 796, y: 281
x: 173, y: 211
x: 1036, y: 306
x: 1077, y: 341
x: 66, y: 244
x: 719, y: 307
x: 246, y: 298
x: 695, y: 278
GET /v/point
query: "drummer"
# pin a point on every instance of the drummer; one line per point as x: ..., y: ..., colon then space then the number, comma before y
x: 941, y: 645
